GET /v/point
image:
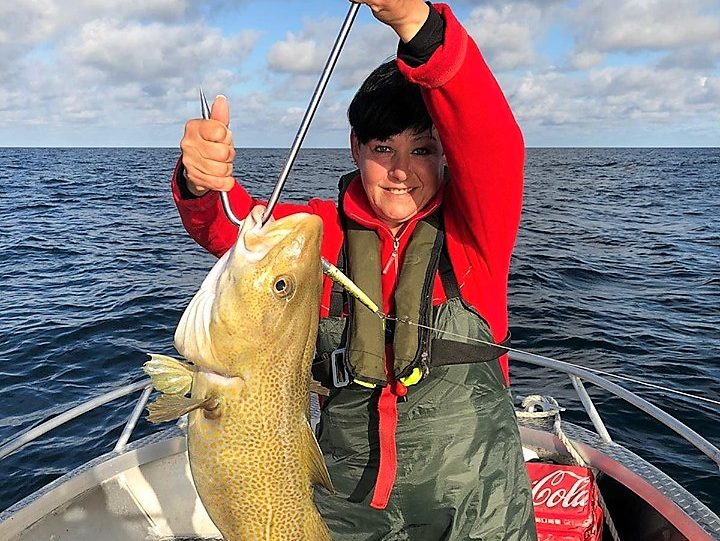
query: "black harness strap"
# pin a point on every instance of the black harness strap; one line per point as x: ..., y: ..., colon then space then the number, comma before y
x: 444, y: 352
x: 337, y: 293
x: 447, y: 277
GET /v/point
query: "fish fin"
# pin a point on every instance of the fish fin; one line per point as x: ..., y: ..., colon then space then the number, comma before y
x: 169, y: 407
x: 169, y: 375
x: 316, y: 387
x: 318, y: 470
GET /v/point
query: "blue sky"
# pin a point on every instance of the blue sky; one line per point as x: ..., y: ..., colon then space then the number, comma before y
x: 126, y: 73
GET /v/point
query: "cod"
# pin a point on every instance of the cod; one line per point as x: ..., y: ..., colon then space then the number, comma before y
x: 249, y: 334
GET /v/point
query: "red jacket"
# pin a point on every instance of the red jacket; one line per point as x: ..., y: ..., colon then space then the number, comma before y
x: 481, y: 204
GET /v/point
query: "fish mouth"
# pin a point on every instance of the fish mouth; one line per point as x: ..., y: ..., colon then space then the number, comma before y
x: 279, y: 244
x: 256, y: 241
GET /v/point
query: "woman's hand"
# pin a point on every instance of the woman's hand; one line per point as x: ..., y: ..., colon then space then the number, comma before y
x: 208, y: 151
x: 406, y: 17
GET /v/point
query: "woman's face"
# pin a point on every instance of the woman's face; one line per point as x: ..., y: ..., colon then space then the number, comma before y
x: 401, y: 174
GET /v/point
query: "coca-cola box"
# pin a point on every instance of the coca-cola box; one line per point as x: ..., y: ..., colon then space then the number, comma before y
x: 566, y: 505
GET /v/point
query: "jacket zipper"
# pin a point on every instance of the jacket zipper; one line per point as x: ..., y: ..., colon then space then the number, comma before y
x: 393, y: 257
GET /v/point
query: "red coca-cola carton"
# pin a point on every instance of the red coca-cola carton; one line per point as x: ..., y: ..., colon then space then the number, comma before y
x: 566, y: 505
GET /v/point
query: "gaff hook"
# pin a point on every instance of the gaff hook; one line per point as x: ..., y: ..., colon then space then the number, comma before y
x: 330, y: 270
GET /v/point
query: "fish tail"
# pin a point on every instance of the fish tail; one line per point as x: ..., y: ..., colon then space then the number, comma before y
x: 170, y: 407
x: 169, y: 375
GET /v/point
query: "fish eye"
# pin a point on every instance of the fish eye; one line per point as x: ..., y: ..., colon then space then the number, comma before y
x: 283, y: 287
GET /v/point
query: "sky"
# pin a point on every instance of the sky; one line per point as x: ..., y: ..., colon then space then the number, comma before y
x: 580, y: 73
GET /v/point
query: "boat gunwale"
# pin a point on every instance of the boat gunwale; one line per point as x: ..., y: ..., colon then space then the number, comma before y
x: 26, y: 512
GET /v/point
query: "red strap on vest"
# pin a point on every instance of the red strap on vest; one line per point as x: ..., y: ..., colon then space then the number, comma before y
x: 387, y: 469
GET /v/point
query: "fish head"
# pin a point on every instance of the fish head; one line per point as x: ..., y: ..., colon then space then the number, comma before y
x: 260, y: 301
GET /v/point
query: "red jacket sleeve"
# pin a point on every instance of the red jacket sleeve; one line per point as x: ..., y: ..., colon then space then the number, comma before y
x: 205, y: 220
x: 482, y: 142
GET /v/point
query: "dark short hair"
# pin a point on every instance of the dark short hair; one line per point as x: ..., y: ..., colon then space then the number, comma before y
x: 387, y: 104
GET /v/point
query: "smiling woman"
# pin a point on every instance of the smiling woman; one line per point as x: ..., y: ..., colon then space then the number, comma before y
x: 426, y: 249
x: 395, y: 145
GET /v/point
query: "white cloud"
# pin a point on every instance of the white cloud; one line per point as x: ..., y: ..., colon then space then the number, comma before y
x: 507, y: 33
x: 295, y: 55
x: 297, y: 62
x: 100, y: 63
x: 582, y: 60
x: 126, y: 52
x: 570, y: 68
x: 614, y: 96
x: 306, y: 52
x: 627, y: 26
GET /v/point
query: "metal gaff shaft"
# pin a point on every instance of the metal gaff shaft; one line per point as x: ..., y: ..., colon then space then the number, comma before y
x: 312, y: 107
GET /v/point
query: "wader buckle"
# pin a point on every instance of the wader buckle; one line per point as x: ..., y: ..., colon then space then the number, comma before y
x: 340, y: 374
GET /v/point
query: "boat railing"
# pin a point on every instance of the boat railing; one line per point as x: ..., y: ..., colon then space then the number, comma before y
x: 577, y: 375
x: 25, y: 437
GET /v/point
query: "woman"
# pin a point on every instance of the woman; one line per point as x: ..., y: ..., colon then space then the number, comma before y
x: 422, y: 443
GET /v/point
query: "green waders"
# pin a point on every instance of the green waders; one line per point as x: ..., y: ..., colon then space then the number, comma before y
x: 460, y: 466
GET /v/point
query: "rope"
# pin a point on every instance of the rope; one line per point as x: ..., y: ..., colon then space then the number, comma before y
x: 553, y: 410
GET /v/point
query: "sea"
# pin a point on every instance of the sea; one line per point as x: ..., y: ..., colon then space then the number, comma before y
x: 616, y: 268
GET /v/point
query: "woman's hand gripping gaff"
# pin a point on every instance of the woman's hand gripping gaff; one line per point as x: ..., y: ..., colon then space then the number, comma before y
x: 208, y: 151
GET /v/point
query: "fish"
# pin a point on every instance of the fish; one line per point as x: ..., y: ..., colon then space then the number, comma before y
x: 249, y: 336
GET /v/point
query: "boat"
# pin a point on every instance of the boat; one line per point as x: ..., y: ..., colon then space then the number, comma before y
x: 143, y: 489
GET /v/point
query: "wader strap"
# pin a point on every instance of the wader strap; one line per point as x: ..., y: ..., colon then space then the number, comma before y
x: 446, y: 352
x: 447, y: 277
x: 337, y: 293
x: 387, y: 465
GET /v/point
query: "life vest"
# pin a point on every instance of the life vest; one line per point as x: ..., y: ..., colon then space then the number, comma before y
x: 351, y: 348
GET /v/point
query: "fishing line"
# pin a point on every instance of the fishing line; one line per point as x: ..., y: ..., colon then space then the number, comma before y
x: 595, y: 370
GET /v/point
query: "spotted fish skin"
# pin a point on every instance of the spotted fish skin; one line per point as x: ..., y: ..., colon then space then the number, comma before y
x: 250, y: 332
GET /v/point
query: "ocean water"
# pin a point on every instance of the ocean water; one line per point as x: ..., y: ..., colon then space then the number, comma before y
x: 617, y: 267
